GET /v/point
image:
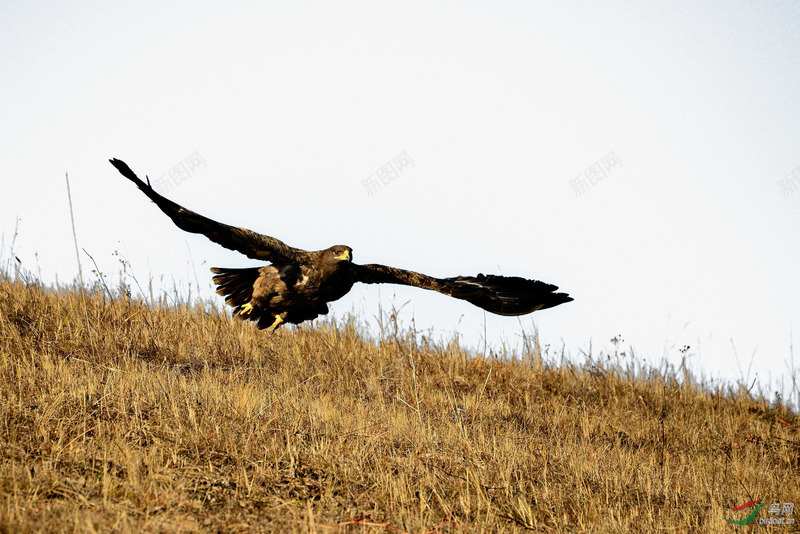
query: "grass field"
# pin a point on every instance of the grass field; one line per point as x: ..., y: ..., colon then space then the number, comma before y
x: 119, y: 416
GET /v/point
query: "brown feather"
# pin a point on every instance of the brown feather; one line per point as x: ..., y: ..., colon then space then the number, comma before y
x: 249, y: 243
x: 503, y: 295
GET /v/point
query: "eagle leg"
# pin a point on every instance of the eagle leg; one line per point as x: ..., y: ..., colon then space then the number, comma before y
x: 278, y: 321
x: 246, y: 310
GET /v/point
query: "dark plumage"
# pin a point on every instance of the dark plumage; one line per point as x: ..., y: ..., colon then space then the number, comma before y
x: 297, y: 285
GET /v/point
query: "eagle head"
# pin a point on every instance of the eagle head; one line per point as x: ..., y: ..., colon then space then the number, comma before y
x: 341, y: 253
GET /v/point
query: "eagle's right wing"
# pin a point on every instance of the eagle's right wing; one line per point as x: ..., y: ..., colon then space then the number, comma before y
x: 503, y: 295
x: 251, y: 244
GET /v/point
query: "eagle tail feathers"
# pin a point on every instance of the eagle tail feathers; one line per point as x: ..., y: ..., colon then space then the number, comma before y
x: 236, y: 285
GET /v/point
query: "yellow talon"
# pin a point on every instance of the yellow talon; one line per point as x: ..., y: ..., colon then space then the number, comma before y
x: 276, y: 324
x: 246, y: 310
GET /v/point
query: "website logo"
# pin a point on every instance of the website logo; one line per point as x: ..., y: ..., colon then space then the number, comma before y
x: 776, y: 510
x: 749, y: 519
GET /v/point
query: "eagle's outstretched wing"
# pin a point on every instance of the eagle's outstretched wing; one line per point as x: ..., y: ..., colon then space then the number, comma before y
x: 503, y: 295
x: 251, y: 244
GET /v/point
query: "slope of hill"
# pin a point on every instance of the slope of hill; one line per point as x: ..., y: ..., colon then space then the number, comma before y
x: 119, y: 416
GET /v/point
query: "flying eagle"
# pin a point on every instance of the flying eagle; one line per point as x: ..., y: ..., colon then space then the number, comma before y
x: 297, y: 284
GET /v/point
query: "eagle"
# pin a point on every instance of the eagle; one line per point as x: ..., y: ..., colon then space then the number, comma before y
x: 296, y: 285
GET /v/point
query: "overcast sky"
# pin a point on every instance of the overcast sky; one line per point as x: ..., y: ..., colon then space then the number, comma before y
x: 644, y: 156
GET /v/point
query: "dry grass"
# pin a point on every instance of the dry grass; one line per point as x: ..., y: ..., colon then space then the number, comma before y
x: 119, y: 417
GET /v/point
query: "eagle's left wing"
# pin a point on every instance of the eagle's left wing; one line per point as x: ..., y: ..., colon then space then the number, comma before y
x: 251, y: 244
x: 503, y: 295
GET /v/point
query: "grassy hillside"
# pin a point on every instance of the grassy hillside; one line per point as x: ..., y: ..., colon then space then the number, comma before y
x: 116, y: 416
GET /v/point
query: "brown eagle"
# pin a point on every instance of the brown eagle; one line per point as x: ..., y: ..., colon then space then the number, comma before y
x: 297, y: 284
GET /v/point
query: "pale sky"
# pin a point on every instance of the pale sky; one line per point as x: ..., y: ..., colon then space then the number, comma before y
x: 293, y: 108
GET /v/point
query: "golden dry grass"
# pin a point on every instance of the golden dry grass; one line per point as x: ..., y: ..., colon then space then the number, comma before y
x: 119, y: 417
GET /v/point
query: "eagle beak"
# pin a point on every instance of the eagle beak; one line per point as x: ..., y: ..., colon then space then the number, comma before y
x: 345, y: 256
